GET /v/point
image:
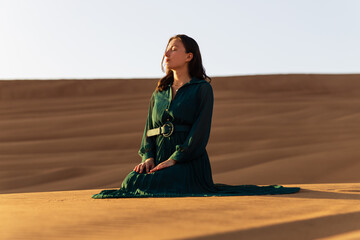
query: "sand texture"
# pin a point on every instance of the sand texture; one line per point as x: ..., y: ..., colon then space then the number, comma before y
x: 63, y: 140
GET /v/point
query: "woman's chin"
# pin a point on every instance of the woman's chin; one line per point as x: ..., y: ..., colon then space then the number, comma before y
x: 173, y: 68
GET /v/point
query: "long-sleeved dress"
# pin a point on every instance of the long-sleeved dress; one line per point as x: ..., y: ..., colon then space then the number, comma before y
x: 191, y: 175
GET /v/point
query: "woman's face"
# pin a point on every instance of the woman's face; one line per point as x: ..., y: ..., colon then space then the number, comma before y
x: 176, y: 56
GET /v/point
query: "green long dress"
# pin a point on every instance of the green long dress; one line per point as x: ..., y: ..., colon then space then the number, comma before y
x: 191, y: 175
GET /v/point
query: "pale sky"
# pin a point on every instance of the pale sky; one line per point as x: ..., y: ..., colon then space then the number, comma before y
x: 63, y: 39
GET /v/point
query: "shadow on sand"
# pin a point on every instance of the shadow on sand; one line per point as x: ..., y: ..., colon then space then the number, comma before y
x: 303, y: 229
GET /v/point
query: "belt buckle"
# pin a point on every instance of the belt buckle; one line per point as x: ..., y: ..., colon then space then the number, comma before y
x: 171, y: 125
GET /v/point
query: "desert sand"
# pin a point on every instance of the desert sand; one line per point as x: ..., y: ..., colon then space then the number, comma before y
x: 63, y: 140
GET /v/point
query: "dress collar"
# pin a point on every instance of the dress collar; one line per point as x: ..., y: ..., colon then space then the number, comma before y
x: 193, y: 80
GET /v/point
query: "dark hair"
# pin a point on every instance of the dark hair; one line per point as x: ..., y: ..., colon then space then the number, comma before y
x: 195, y: 66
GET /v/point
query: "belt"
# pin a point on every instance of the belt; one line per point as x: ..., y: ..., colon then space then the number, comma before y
x: 167, y: 129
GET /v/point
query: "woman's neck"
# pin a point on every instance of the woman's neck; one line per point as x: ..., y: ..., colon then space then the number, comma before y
x: 181, y: 77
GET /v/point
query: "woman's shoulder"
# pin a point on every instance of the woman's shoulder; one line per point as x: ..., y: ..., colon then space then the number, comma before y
x: 202, y: 83
x: 205, y: 89
x: 198, y: 80
x: 205, y: 84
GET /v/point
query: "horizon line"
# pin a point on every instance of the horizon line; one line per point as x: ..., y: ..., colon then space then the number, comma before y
x: 215, y: 76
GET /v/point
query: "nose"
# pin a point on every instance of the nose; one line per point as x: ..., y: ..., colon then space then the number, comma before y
x: 167, y: 53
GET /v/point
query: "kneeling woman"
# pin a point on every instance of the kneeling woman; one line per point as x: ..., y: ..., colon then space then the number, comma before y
x: 173, y: 148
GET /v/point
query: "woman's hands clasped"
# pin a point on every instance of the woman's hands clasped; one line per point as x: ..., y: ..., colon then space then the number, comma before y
x: 149, y: 165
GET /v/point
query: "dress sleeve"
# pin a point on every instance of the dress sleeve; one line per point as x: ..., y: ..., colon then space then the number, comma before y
x: 148, y: 147
x: 196, y: 141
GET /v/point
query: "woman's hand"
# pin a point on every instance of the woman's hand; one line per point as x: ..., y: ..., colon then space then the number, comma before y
x: 165, y: 164
x: 147, y: 165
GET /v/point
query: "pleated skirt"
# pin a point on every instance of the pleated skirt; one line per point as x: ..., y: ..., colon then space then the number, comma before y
x: 191, y: 178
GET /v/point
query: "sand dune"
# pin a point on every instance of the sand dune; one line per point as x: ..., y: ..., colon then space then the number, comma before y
x: 318, y: 211
x: 291, y: 129
x: 267, y: 129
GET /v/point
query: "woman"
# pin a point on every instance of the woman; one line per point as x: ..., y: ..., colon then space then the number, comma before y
x: 174, y: 159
